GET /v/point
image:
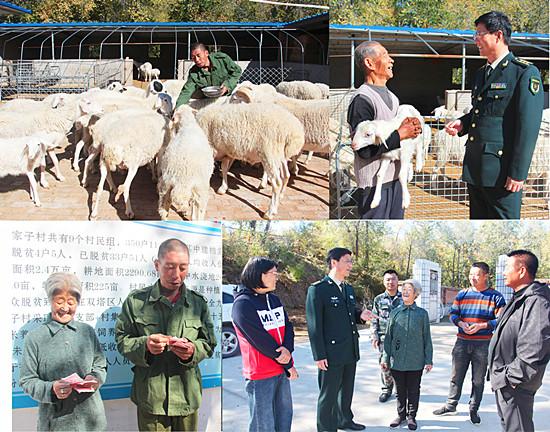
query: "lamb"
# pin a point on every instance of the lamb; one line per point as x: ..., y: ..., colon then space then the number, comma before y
x: 23, y: 154
x: 185, y: 167
x: 303, y: 90
x: 144, y: 71
x: 155, y: 73
x: 375, y: 132
x: 128, y: 139
x: 266, y: 134
x: 172, y: 87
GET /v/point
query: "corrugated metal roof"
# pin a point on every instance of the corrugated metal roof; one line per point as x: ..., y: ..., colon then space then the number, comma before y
x: 12, y: 8
x: 433, y: 31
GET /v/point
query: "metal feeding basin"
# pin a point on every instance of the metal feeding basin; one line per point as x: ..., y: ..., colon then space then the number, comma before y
x: 212, y: 91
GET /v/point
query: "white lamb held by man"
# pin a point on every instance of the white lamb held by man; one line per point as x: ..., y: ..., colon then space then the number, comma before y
x: 375, y: 132
x: 185, y: 167
x: 22, y: 155
x: 254, y: 133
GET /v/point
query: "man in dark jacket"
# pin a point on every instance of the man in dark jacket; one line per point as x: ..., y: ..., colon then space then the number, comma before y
x: 332, y: 316
x: 520, y: 348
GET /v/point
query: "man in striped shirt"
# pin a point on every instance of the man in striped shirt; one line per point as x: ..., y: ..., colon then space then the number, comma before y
x: 474, y: 312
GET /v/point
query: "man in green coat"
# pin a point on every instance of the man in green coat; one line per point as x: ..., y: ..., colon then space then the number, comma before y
x: 216, y: 69
x: 332, y: 316
x: 503, y: 124
x: 166, y: 330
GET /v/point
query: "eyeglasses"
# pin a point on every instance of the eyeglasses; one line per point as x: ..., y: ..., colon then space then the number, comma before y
x: 478, y: 34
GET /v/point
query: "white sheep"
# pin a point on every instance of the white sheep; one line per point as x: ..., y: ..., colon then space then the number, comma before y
x: 303, y: 90
x: 442, y: 112
x: 144, y: 71
x: 22, y: 155
x: 375, y: 132
x: 128, y: 139
x: 447, y: 148
x: 255, y: 133
x: 155, y: 73
x: 185, y: 167
x: 117, y: 86
x: 172, y: 87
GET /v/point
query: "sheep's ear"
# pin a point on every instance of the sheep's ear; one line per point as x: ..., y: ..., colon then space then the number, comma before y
x: 157, y: 86
x: 123, y: 89
x: 244, y: 95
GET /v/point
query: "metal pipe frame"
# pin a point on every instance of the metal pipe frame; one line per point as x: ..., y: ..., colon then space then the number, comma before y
x: 82, y: 40
x: 101, y: 43
x: 280, y: 53
x: 236, y: 43
x: 26, y: 40
x: 65, y: 40
x: 53, y: 45
x: 301, y: 47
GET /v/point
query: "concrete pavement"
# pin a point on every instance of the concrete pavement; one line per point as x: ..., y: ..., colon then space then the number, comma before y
x: 366, y: 407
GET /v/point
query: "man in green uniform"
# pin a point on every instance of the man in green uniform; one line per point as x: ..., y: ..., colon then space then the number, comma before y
x: 216, y: 69
x: 166, y: 330
x: 503, y: 124
x: 384, y: 303
x: 332, y: 316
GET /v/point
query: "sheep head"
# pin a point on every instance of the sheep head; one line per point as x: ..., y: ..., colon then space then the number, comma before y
x: 116, y: 86
x: 156, y: 87
x: 89, y: 107
x: 182, y: 116
x: 164, y: 104
x: 367, y: 133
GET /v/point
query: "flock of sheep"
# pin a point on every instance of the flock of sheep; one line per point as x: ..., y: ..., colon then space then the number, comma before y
x: 127, y: 127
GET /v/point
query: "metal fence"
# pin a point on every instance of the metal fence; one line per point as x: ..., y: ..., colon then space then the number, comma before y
x: 437, y: 191
x: 271, y: 76
x: 35, y: 79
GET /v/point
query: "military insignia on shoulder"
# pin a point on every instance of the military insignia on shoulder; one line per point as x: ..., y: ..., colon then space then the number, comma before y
x: 522, y: 62
x: 534, y: 85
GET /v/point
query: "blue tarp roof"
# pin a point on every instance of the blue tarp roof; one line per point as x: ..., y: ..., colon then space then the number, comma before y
x: 274, y: 25
x: 425, y: 30
x: 14, y: 8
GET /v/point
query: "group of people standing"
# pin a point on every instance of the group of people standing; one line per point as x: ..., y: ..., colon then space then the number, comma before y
x: 508, y: 344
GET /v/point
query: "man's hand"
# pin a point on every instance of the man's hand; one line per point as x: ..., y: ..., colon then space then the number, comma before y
x: 410, y: 128
x: 368, y: 315
x: 184, y: 353
x: 284, y: 357
x: 513, y: 185
x: 94, y: 384
x: 376, y: 344
x: 293, y: 373
x: 224, y: 89
x: 454, y: 127
x: 156, y: 343
x: 428, y: 368
x: 475, y: 327
x: 384, y: 366
x: 322, y: 364
x: 463, y: 325
x: 62, y: 389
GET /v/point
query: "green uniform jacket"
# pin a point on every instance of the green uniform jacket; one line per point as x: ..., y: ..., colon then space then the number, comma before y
x: 54, y: 351
x: 504, y: 123
x: 223, y: 71
x: 164, y: 384
x: 383, y: 305
x: 331, y: 317
x: 408, y: 343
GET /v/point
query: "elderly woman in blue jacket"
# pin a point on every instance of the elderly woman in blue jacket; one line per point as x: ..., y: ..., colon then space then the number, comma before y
x: 58, y: 349
x: 407, y: 351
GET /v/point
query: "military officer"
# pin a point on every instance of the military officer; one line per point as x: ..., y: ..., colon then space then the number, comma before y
x: 166, y: 330
x: 503, y: 124
x: 384, y: 303
x: 216, y: 69
x: 332, y: 316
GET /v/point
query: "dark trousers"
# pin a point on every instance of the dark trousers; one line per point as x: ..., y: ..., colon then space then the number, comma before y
x: 515, y: 409
x: 390, y: 206
x: 493, y: 203
x: 151, y: 422
x: 385, y: 374
x: 335, y: 395
x: 466, y: 353
x: 407, y: 384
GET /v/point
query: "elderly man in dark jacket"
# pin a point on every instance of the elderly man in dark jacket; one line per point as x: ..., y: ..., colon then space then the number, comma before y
x: 520, y: 348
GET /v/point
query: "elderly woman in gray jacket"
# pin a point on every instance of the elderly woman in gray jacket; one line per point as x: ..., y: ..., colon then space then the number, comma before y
x: 407, y: 351
x: 57, y: 349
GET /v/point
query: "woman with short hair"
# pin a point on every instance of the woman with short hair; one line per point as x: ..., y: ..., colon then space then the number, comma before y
x: 57, y: 349
x: 266, y: 338
x: 407, y: 351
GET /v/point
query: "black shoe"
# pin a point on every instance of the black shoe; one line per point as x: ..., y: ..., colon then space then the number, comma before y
x: 384, y: 397
x: 445, y: 411
x: 474, y: 418
x: 352, y: 426
x: 411, y: 423
x: 396, y: 422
